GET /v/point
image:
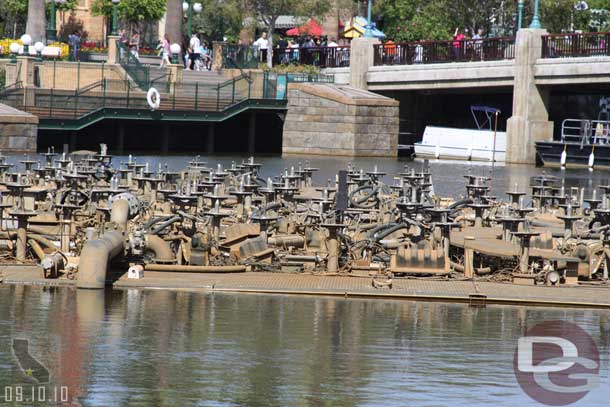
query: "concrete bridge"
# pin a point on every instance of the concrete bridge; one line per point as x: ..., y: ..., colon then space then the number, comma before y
x: 535, y: 65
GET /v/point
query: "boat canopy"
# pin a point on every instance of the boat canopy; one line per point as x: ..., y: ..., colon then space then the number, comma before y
x: 488, y: 113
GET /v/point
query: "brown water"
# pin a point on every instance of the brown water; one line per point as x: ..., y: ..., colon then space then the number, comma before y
x: 161, y: 348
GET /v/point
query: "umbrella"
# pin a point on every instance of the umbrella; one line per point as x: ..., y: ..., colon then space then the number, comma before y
x: 310, y: 28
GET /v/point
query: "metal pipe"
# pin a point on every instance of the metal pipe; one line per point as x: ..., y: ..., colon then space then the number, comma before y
x: 195, y: 269
x: 119, y: 213
x: 160, y: 247
x: 95, y: 258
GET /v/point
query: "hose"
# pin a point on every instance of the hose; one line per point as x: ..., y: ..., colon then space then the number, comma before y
x: 165, y: 224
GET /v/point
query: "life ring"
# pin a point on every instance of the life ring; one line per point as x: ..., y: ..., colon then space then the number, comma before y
x: 154, y: 98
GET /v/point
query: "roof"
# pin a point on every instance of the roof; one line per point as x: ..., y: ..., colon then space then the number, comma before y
x: 356, y: 26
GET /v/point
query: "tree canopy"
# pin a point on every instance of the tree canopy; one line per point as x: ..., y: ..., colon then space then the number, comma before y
x: 132, y: 11
x: 409, y: 20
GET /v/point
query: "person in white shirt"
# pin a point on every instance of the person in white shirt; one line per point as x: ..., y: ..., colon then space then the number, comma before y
x: 263, y: 45
x: 194, y: 49
x: 332, y: 43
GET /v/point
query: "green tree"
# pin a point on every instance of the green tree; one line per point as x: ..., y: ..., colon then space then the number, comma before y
x: 268, y: 11
x: 220, y: 19
x: 134, y: 12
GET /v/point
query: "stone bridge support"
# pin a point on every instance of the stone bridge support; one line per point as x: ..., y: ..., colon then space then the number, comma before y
x: 530, y: 120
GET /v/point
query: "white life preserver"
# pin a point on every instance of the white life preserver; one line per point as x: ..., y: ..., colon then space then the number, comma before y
x: 154, y: 98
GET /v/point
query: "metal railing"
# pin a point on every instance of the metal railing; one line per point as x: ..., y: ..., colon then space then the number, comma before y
x: 241, y: 56
x: 585, y: 132
x: 189, y: 97
x: 436, y: 52
x: 135, y: 69
x: 575, y: 45
x: 323, y: 57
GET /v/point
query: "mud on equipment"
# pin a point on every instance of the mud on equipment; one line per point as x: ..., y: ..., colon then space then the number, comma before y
x: 154, y: 98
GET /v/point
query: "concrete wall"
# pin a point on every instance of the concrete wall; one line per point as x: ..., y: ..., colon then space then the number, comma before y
x: 441, y: 76
x: 18, y: 131
x: 339, y: 120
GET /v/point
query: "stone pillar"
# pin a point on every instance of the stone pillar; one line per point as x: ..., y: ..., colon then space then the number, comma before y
x: 113, y: 49
x: 361, y: 59
x: 26, y: 65
x: 217, y: 55
x: 176, y: 72
x: 530, y: 120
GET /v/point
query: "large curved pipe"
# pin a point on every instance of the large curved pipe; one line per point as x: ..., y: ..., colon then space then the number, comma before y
x: 120, y: 213
x: 95, y: 257
x: 97, y: 254
x: 160, y: 247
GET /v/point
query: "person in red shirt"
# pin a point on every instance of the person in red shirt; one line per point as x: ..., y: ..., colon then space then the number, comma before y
x: 458, y: 44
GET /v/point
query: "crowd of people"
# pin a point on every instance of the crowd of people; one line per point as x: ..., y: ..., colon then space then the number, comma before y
x: 197, y: 55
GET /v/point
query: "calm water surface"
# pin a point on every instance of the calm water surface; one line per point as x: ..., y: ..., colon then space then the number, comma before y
x: 448, y: 176
x: 161, y: 348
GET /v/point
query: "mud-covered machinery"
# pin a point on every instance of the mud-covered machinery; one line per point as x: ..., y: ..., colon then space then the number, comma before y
x: 79, y: 215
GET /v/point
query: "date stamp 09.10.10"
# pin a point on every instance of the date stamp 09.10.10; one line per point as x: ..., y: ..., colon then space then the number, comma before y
x: 38, y: 389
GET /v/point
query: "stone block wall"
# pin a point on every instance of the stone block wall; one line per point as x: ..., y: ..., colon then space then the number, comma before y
x: 340, y: 120
x: 18, y: 131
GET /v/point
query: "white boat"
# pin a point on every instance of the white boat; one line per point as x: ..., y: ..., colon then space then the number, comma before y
x: 465, y: 144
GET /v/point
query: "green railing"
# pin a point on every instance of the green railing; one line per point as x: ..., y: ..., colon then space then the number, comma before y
x: 55, y: 104
x: 241, y: 56
x: 135, y: 69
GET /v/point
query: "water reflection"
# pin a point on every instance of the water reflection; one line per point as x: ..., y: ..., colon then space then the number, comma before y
x: 162, y: 348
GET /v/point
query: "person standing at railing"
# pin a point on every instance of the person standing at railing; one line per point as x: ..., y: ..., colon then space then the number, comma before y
x: 263, y: 45
x: 389, y: 49
x: 123, y: 40
x: 458, y: 44
x: 282, y: 47
x: 477, y: 40
x: 134, y: 45
x: 74, y: 43
x: 165, y: 51
x: 294, y: 50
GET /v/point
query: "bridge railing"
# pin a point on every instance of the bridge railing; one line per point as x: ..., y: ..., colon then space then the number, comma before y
x: 323, y: 57
x: 576, y: 45
x: 436, y: 52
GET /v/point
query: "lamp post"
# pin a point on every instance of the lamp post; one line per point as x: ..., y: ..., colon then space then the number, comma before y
x: 39, y: 46
x: 115, y: 17
x: 520, y: 16
x: 189, y: 7
x: 14, y: 48
x: 368, y: 32
x: 26, y: 40
x: 536, y: 19
x: 51, y: 29
x: 175, y: 50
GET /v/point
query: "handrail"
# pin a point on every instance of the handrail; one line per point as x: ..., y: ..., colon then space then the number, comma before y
x: 433, y: 52
x: 323, y: 57
x: 134, y: 68
x: 576, y: 45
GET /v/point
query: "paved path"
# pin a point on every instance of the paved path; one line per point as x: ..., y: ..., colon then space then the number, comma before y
x: 281, y: 283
